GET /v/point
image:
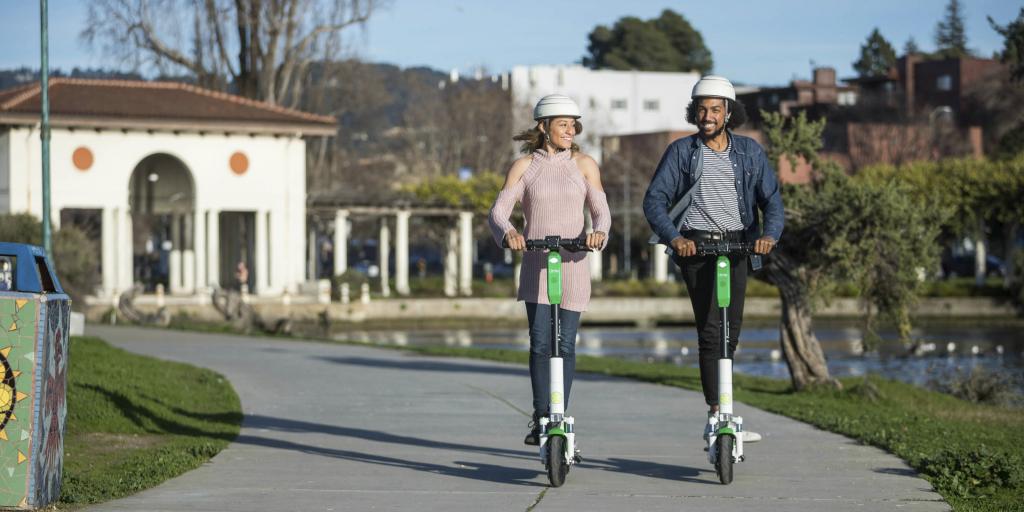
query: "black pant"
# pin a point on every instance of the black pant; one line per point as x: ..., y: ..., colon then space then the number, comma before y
x: 699, y: 274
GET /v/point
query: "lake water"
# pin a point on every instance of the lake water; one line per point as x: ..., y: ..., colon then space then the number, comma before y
x: 948, y: 347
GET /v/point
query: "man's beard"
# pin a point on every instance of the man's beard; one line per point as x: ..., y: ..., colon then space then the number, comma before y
x: 713, y: 134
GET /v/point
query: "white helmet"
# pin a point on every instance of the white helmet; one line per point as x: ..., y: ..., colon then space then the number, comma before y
x: 556, y: 105
x: 714, y: 86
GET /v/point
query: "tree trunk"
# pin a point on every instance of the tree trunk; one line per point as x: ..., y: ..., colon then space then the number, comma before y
x: 800, y: 347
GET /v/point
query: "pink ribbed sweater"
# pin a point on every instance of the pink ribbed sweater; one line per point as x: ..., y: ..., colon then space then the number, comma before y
x: 553, y: 193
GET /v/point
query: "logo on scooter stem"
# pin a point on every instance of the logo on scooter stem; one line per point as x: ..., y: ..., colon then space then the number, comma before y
x: 725, y: 399
x: 556, y: 397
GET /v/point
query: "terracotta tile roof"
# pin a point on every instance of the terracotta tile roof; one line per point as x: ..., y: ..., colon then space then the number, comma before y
x: 152, y: 103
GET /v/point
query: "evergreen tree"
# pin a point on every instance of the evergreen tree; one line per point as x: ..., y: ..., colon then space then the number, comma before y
x: 950, y: 37
x: 666, y: 43
x: 876, y: 56
x: 1013, y: 44
x: 911, y: 48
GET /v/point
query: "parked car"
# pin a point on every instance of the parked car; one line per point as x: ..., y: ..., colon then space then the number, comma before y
x: 962, y: 265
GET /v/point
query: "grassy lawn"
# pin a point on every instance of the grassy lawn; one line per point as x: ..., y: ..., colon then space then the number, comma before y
x: 971, y: 453
x: 135, y: 421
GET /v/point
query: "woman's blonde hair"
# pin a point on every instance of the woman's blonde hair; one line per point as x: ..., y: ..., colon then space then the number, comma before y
x: 533, y: 138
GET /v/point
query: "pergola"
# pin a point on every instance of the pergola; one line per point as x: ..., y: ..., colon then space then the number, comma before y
x: 458, y: 261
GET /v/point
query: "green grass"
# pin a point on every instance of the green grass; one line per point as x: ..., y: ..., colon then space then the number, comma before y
x: 134, y: 421
x: 970, y: 452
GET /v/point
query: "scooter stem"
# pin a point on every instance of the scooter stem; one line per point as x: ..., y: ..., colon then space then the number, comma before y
x: 724, y: 292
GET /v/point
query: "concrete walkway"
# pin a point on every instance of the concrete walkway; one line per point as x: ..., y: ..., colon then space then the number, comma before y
x: 333, y: 427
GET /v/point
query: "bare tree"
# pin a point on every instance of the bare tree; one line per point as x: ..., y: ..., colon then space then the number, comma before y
x: 261, y: 48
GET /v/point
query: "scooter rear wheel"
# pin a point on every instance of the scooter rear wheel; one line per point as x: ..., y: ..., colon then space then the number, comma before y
x: 724, y: 464
x: 558, y: 466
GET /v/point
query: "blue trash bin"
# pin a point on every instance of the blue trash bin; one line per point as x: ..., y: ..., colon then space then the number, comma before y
x: 34, y: 325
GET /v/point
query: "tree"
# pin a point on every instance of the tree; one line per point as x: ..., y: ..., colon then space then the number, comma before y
x: 876, y: 56
x: 873, y: 234
x: 1013, y: 45
x: 665, y: 43
x: 910, y: 47
x: 261, y: 49
x: 74, y: 254
x: 950, y: 38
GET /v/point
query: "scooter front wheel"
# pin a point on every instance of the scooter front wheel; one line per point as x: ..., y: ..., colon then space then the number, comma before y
x: 724, y: 464
x: 558, y: 466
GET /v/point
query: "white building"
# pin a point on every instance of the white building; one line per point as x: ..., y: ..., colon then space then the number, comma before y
x: 613, y: 102
x: 178, y: 184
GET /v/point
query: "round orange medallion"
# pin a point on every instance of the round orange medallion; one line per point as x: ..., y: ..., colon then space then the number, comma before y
x: 239, y: 163
x: 82, y: 158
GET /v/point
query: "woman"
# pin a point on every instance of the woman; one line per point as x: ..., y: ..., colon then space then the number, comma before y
x: 554, y: 182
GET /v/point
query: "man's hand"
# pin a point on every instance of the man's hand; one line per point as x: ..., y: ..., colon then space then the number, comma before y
x: 684, y: 247
x: 515, y: 241
x: 595, y: 240
x: 764, y: 245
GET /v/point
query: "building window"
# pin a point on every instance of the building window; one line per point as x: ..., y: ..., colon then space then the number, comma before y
x: 618, y: 104
x: 944, y: 83
x: 651, y: 105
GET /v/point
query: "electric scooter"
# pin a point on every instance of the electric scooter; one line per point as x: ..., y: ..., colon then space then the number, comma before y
x: 725, y: 441
x: 558, y: 450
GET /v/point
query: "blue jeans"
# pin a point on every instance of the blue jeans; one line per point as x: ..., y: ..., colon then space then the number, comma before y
x: 539, y: 316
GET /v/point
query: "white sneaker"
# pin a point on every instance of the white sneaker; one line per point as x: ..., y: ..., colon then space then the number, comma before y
x: 750, y: 437
x: 707, y: 430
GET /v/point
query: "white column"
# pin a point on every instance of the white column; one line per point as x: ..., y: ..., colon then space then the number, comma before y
x: 262, y: 253
x: 451, y: 263
x: 213, y: 248
x: 466, y: 253
x: 660, y: 263
x: 108, y: 251
x: 980, y: 260
x: 384, y: 247
x: 340, y: 241
x: 188, y: 256
x: 199, y: 251
x: 402, y: 252
x: 125, y: 249
x: 174, y: 262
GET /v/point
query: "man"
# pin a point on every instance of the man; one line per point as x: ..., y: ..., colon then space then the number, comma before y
x: 714, y: 185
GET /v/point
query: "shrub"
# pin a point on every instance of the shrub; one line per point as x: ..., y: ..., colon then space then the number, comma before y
x: 974, y: 472
x: 76, y: 257
x: 981, y: 386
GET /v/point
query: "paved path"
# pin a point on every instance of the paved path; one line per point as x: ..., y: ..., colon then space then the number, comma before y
x: 334, y: 427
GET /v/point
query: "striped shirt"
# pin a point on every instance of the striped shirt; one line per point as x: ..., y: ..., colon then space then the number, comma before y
x: 553, y: 193
x: 715, y: 206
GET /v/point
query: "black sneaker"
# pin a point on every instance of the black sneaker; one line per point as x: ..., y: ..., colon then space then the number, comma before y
x: 533, y: 438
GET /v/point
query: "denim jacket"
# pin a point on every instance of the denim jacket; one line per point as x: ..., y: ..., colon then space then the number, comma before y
x: 671, y: 190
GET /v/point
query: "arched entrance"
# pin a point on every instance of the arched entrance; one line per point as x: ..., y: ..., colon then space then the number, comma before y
x: 162, y: 201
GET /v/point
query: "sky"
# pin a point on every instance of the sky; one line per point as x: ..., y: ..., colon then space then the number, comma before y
x: 754, y: 42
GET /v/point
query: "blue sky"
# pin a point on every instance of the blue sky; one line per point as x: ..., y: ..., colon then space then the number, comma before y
x: 766, y: 42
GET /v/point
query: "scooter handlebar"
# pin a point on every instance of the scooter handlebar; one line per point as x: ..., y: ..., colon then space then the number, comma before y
x: 553, y: 243
x: 722, y: 247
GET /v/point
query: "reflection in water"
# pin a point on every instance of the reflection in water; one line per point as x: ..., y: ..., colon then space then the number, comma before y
x: 942, y: 348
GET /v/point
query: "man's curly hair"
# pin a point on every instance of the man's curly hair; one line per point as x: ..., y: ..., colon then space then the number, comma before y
x: 736, y: 109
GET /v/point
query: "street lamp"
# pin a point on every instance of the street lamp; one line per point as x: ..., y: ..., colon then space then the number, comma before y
x: 44, y: 134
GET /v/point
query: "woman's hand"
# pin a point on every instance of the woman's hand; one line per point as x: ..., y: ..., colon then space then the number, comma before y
x: 595, y: 240
x: 515, y: 241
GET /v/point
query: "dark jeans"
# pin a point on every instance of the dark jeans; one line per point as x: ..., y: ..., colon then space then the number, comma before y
x: 539, y: 316
x: 699, y: 274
